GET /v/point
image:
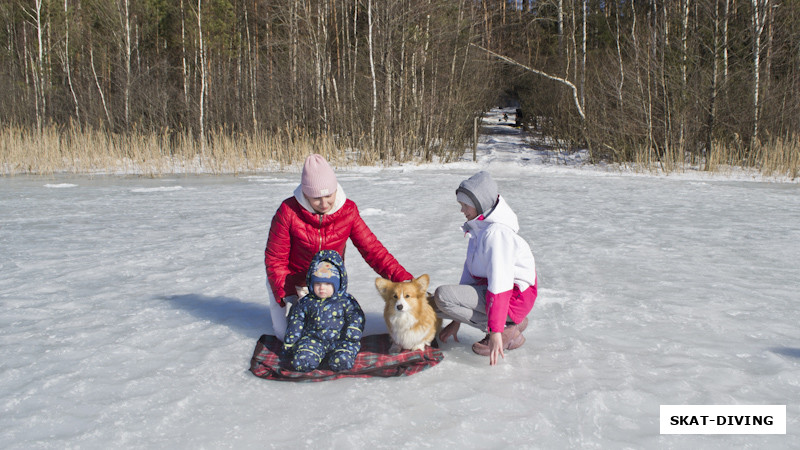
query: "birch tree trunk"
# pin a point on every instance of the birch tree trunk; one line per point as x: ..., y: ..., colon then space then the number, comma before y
x: 684, y: 80
x: 184, y: 67
x: 100, y: 88
x: 583, y: 52
x: 252, y: 71
x: 353, y: 72
x: 202, y: 101
x: 39, y: 78
x: 125, y: 19
x: 314, y: 28
x: 712, y: 109
x: 666, y: 87
x: 386, y: 127
x: 293, y: 37
x: 423, y: 91
x: 770, y: 26
x: 332, y: 72
x: 372, y: 75
x: 403, y: 78
x: 560, y: 15
x: 322, y: 62
x: 452, y: 83
x: 725, y: 18
x: 574, y: 40
x: 67, y: 63
x: 621, y: 83
x: 646, y: 109
x: 758, y: 20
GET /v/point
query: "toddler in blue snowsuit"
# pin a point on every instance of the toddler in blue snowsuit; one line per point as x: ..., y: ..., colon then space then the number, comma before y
x: 327, y: 323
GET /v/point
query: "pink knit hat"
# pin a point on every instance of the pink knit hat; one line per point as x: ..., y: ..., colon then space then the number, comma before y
x: 318, y: 179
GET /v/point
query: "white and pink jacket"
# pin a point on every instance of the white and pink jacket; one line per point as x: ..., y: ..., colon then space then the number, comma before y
x: 500, y: 258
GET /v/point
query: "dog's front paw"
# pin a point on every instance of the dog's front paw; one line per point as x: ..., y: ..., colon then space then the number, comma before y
x: 418, y: 347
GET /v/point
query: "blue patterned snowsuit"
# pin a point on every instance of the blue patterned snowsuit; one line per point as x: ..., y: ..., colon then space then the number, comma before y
x: 320, y: 329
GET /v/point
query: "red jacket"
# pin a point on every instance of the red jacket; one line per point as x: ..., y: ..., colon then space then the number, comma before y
x: 297, y: 234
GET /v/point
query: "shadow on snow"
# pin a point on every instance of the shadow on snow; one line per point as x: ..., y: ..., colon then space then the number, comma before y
x: 248, y: 318
x: 251, y: 319
x: 786, y: 351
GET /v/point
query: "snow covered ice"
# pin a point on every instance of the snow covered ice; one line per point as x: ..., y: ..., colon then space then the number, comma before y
x: 130, y: 307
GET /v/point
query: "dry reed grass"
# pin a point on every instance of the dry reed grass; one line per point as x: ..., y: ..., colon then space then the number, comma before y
x: 71, y: 150
x: 23, y: 151
x: 778, y: 157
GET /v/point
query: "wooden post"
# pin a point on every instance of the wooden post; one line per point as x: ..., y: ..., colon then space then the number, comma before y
x: 475, y: 139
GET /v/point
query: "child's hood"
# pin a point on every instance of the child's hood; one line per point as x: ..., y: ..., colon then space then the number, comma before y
x: 333, y: 257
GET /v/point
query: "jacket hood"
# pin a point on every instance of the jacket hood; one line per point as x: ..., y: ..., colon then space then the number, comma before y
x: 341, y: 197
x: 481, y: 190
x: 333, y: 257
x: 502, y: 213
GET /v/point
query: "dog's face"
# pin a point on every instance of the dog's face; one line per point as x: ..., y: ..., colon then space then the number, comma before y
x: 404, y: 296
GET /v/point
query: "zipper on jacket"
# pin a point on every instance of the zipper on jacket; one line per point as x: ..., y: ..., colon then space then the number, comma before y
x: 320, y: 233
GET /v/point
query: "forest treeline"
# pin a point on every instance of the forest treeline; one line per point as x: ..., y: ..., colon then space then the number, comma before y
x: 646, y: 81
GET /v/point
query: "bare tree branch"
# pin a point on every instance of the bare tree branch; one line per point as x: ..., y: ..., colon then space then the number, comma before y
x: 539, y: 72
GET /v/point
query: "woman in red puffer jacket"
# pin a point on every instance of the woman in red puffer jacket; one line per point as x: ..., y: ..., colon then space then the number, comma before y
x: 318, y: 217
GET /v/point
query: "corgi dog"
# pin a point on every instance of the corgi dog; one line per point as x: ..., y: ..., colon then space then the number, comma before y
x: 409, y: 313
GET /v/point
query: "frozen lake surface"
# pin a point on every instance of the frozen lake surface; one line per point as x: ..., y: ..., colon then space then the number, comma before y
x: 130, y: 307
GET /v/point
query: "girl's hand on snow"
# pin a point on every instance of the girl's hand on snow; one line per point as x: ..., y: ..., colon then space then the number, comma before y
x: 495, y: 347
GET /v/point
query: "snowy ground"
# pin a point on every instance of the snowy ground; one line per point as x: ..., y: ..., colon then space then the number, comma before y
x: 130, y: 307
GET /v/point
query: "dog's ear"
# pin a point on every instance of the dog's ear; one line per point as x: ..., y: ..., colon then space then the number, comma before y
x: 422, y: 282
x: 382, y: 284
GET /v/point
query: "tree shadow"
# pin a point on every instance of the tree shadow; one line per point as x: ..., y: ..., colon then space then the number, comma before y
x: 786, y: 351
x: 251, y: 319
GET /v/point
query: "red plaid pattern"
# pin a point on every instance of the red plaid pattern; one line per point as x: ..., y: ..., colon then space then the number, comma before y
x: 374, y: 360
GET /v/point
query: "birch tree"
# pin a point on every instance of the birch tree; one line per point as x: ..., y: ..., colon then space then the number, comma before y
x: 644, y: 88
x: 684, y: 76
x: 184, y: 65
x: 125, y: 21
x: 725, y: 18
x: 585, y: 12
x: 109, y: 122
x: 67, y: 58
x: 372, y: 75
x: 38, y: 66
x: 716, y: 52
x: 202, y: 100
x: 293, y: 55
x: 620, y: 65
x: 758, y: 22
x: 252, y: 66
x: 560, y: 19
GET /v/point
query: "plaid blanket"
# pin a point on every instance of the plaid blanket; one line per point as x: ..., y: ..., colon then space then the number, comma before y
x: 374, y: 360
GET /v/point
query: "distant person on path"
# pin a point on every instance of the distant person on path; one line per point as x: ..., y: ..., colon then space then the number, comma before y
x: 327, y: 323
x: 498, y: 283
x: 319, y: 216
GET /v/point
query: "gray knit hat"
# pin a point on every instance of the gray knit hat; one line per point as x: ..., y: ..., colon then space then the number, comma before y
x: 480, y: 190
